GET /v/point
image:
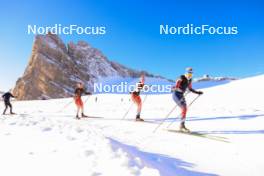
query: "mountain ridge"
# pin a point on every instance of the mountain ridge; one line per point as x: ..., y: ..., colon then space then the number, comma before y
x: 54, y: 68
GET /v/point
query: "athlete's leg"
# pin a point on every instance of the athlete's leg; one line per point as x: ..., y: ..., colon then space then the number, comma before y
x: 139, y: 105
x: 137, y: 100
x: 77, y: 102
x: 78, y: 110
x: 5, y: 108
x: 10, y: 107
x: 180, y: 101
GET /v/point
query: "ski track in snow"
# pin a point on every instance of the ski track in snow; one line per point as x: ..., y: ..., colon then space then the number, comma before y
x: 42, y: 140
x: 92, y: 145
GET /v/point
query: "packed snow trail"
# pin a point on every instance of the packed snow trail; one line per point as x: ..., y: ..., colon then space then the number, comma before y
x: 49, y: 146
x: 43, y: 141
x: 66, y: 146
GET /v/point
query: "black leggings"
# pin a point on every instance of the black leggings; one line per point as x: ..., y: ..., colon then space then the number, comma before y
x: 7, y: 104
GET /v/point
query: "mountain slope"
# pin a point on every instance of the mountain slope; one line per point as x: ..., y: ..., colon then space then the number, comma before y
x: 54, y: 69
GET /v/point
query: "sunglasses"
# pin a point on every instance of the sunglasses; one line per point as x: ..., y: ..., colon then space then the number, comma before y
x: 189, y: 74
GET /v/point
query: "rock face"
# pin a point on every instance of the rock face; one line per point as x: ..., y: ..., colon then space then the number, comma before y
x: 54, y: 69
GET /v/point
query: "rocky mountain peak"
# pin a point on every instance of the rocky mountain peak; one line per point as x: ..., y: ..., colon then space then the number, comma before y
x: 54, y: 68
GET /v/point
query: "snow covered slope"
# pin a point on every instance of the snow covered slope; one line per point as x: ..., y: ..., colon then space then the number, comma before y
x: 45, y: 139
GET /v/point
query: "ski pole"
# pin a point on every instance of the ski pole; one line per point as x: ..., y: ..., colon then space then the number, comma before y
x: 174, y: 107
x: 124, y: 116
x: 87, y: 98
x: 144, y: 99
x: 145, y: 96
x: 187, y: 108
x: 66, y: 106
x: 132, y: 106
x: 167, y: 116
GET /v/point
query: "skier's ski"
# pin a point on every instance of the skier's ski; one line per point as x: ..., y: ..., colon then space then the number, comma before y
x: 202, y: 135
x: 143, y: 121
x: 138, y: 121
x: 92, y: 117
x: 10, y: 114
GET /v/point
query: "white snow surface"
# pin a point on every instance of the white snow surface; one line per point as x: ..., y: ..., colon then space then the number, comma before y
x: 45, y: 139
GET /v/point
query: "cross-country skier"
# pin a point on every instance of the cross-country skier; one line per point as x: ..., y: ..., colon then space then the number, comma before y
x: 182, y: 84
x: 135, y: 96
x: 78, y: 99
x: 6, y: 98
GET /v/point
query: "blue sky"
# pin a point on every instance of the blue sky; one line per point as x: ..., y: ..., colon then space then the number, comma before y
x: 133, y: 37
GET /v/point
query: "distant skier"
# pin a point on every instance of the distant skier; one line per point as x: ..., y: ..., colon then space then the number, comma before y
x: 182, y: 84
x: 78, y: 99
x: 135, y: 96
x: 6, y: 98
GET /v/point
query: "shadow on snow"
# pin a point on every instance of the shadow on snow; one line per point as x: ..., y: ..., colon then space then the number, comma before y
x: 232, y: 132
x: 166, y: 165
x: 241, y: 117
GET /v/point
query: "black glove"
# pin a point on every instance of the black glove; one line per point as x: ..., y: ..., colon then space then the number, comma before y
x: 199, y: 92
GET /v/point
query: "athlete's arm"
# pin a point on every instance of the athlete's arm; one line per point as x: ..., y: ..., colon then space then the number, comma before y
x: 12, y: 95
x: 193, y: 90
x: 177, y: 85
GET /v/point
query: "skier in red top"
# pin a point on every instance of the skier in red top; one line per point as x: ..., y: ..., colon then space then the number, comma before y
x: 78, y: 99
x: 182, y: 84
x: 135, y: 97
